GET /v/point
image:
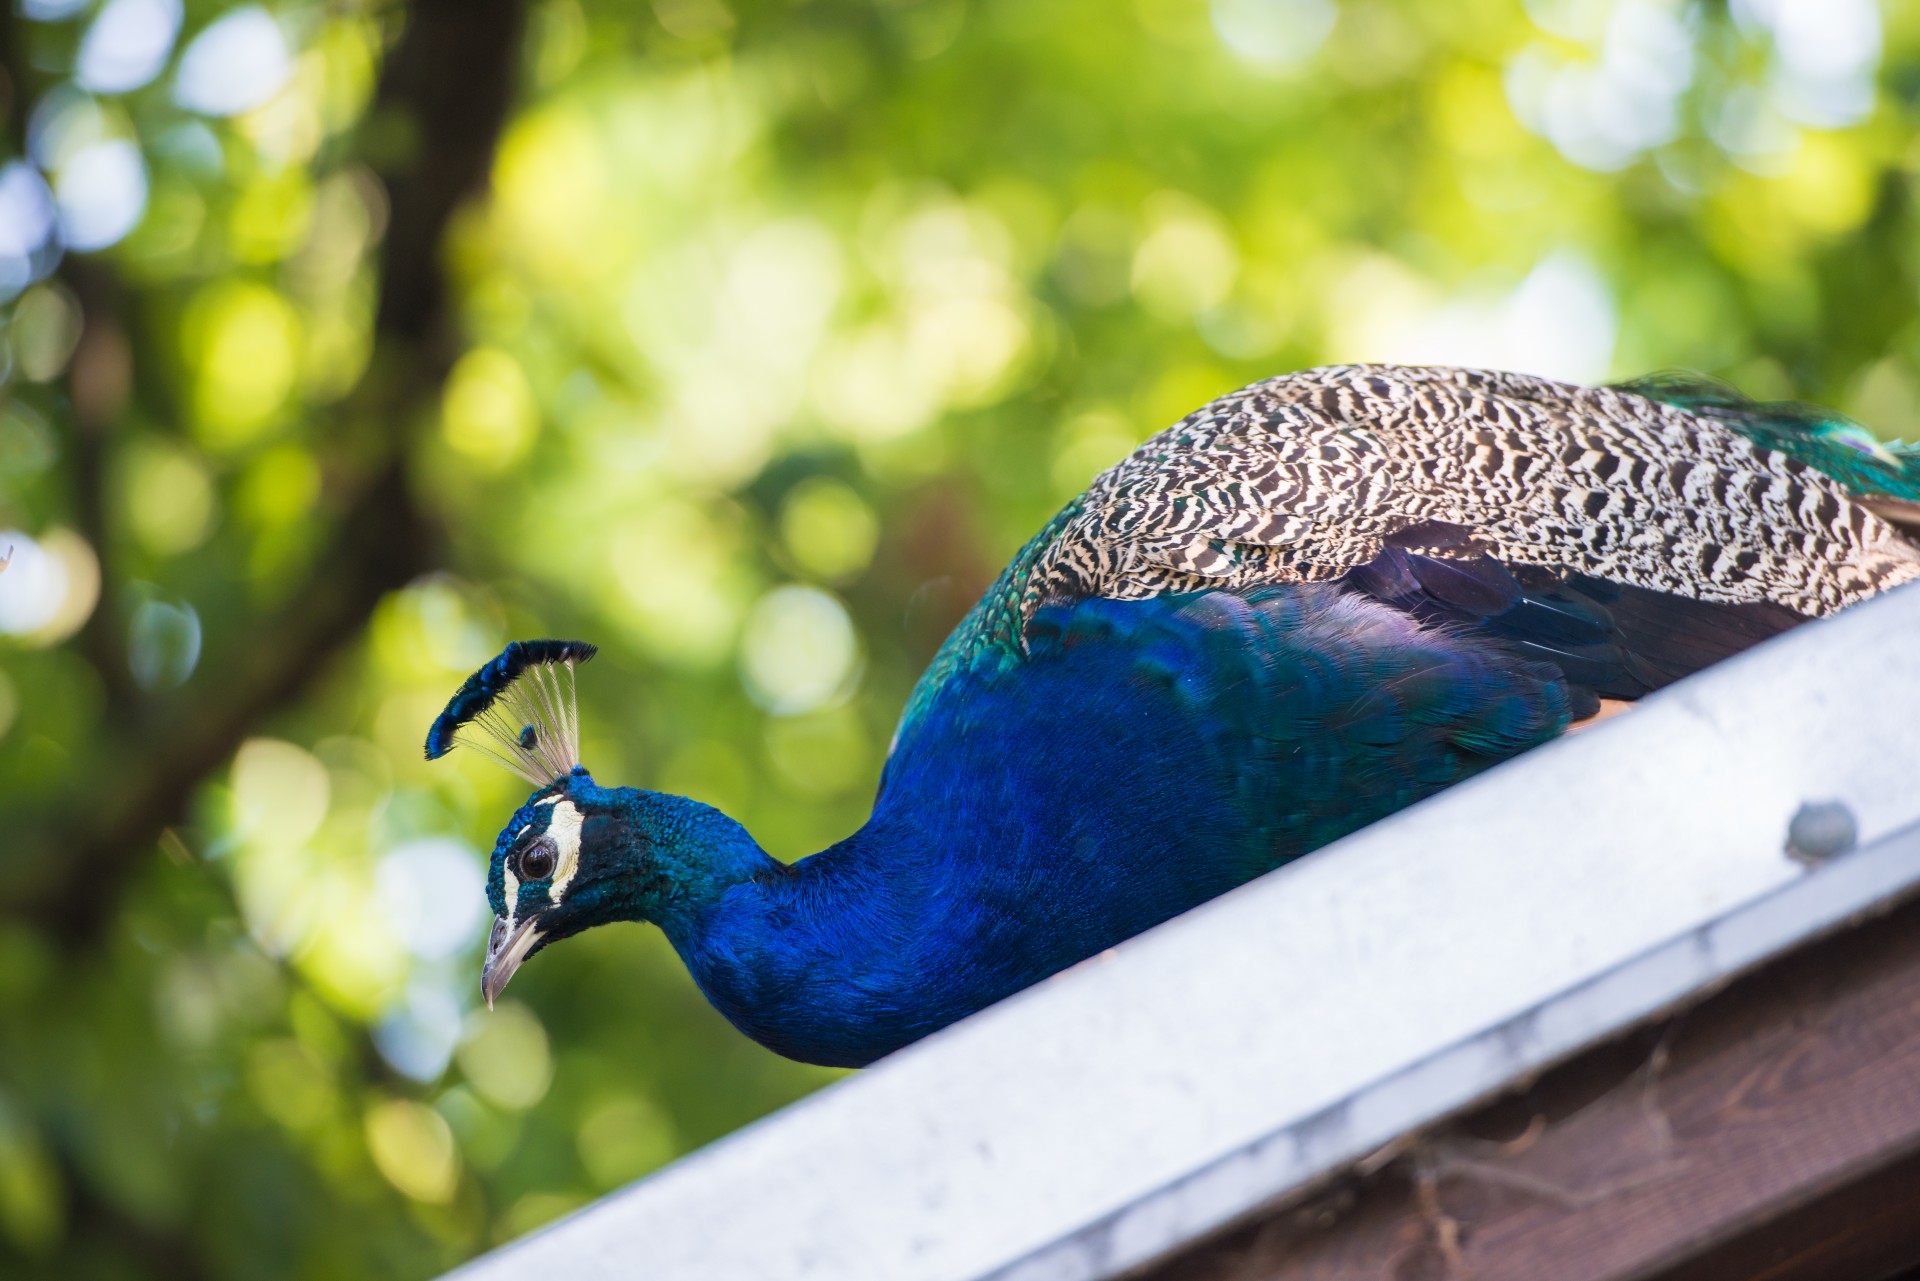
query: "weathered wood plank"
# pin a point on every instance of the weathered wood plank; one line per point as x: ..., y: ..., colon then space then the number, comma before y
x: 1771, y: 1132
x: 1860, y: 1231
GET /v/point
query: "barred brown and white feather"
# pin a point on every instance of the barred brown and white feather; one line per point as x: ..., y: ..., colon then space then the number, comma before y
x: 1304, y: 477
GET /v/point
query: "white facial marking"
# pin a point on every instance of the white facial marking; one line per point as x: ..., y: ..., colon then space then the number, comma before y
x: 512, y: 887
x: 546, y: 800
x: 564, y: 827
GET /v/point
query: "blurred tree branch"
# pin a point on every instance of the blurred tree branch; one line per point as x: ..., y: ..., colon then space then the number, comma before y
x: 444, y: 94
x: 101, y: 383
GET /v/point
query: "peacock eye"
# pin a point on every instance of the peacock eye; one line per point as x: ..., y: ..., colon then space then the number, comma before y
x: 537, y: 860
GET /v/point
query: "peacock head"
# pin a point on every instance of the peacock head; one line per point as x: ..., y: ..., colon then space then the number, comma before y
x: 553, y: 860
x: 576, y: 854
x: 563, y: 863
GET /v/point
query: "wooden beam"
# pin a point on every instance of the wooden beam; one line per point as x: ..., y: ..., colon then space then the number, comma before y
x: 1772, y: 1132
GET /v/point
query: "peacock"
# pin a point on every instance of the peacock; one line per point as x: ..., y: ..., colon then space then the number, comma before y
x: 1306, y: 605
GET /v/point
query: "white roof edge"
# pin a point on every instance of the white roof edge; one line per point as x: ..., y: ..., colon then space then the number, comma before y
x: 1664, y: 978
x: 1272, y: 1036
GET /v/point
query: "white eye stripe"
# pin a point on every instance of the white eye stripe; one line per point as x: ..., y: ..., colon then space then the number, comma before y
x: 564, y: 827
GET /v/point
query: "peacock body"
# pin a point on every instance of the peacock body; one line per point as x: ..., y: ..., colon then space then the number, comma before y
x: 1305, y: 606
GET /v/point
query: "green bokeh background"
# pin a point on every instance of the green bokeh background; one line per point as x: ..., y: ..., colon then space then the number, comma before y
x: 775, y: 326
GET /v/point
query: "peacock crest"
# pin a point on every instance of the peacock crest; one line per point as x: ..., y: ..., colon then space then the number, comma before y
x: 524, y: 708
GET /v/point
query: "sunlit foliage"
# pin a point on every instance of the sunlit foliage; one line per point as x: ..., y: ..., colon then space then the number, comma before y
x: 781, y: 324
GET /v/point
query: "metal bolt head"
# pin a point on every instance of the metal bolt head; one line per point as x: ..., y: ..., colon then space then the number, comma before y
x: 1821, y: 831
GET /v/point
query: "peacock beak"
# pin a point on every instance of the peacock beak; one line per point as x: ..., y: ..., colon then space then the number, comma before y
x: 507, y: 946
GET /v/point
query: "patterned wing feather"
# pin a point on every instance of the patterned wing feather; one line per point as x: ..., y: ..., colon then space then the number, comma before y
x: 1304, y: 478
x: 1634, y: 532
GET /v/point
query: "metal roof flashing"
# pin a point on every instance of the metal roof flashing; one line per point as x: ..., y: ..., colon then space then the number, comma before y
x: 1275, y: 1036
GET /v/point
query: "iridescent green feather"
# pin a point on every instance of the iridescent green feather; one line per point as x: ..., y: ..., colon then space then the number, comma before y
x: 990, y: 633
x: 1821, y: 438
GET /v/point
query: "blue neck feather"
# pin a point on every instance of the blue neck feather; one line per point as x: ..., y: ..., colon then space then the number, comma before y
x: 1150, y: 756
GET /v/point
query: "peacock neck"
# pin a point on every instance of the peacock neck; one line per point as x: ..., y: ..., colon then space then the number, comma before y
x: 682, y: 859
x: 814, y: 959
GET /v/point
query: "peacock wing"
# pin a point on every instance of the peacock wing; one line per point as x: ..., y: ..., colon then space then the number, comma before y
x: 1304, y: 478
x: 1683, y: 534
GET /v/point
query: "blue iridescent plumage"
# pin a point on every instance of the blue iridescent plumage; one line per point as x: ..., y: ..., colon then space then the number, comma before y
x: 1301, y: 609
